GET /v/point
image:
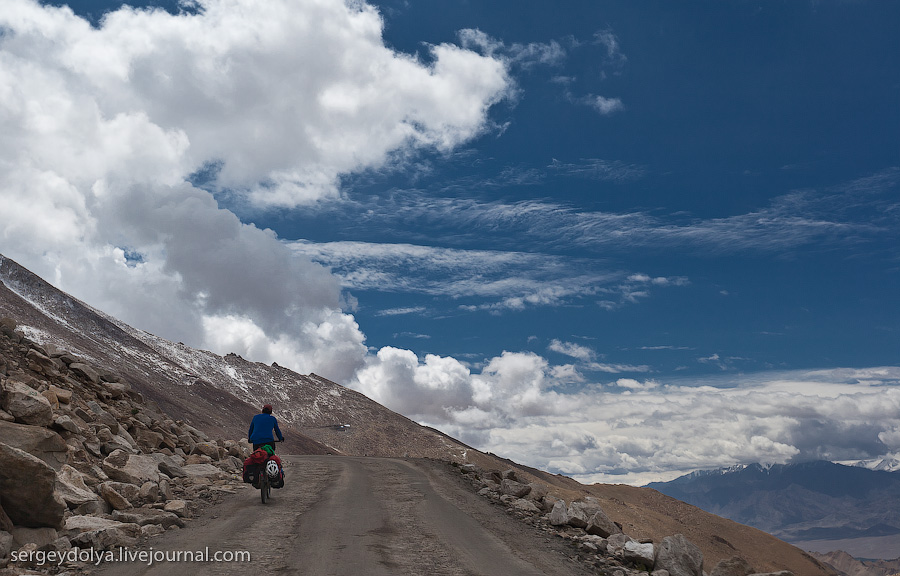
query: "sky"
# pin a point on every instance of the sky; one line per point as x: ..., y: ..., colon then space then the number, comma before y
x: 615, y: 240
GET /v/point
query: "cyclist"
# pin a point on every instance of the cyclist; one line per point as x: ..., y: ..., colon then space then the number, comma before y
x: 261, y: 428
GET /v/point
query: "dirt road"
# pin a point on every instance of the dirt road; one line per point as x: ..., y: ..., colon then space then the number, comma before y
x: 341, y: 516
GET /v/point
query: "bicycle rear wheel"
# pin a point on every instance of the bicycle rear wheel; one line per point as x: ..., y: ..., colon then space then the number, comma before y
x: 264, y: 487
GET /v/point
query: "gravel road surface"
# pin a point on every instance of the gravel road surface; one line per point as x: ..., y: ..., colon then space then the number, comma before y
x: 349, y: 516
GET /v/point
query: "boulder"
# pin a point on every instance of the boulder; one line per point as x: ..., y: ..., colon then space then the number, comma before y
x: 206, y: 449
x: 40, y: 536
x: 85, y: 372
x: 526, y: 506
x: 537, y: 492
x: 28, y: 486
x: 6, y: 546
x: 600, y: 525
x: 25, y: 403
x: 66, y: 423
x: 639, y: 553
x: 115, y: 536
x: 178, y: 507
x: 578, y: 516
x: 514, y: 488
x: 131, y: 468
x: 71, y: 487
x: 149, y: 492
x: 559, y: 516
x: 113, y: 497
x: 144, y: 516
x: 679, y: 556
x: 64, y: 396
x: 41, y: 443
x: 203, y: 471
x: 734, y: 566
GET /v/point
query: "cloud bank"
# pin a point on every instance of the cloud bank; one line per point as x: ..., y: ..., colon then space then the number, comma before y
x: 106, y: 132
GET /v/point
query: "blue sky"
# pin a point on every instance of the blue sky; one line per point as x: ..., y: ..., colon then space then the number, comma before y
x: 617, y: 240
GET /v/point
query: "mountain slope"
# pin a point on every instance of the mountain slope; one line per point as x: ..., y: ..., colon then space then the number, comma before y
x: 219, y: 395
x: 215, y: 393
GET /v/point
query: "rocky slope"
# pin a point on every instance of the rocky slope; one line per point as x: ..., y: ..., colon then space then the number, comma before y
x: 126, y: 399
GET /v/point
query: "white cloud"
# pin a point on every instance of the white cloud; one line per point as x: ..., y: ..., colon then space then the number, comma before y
x: 606, y: 106
x: 571, y: 349
x: 639, y: 431
x: 102, y: 127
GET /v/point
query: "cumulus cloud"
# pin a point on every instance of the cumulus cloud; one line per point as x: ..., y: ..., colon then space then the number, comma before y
x: 637, y: 431
x: 103, y: 129
x: 572, y: 349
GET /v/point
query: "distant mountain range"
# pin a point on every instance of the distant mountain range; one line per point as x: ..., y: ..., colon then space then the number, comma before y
x: 820, y: 506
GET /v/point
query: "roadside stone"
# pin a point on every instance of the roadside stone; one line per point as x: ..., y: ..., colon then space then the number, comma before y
x: 143, y: 516
x: 178, y: 507
x: 25, y: 403
x: 131, y: 468
x: 679, y: 556
x: 600, y: 525
x: 113, y: 498
x: 639, y: 553
x: 85, y: 371
x: 514, y: 488
x: 64, y: 422
x: 734, y: 566
x: 577, y: 516
x: 526, y: 506
x: 71, y: 487
x: 559, y: 515
x: 64, y: 396
x: 44, y: 444
x: 149, y: 492
x: 6, y: 546
x: 28, y: 486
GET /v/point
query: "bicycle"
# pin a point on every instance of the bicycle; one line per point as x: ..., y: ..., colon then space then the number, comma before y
x: 265, y: 484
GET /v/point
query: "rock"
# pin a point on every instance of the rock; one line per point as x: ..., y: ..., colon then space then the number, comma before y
x: 537, y: 492
x: 734, y: 566
x: 577, y: 515
x: 150, y: 530
x: 113, y: 498
x: 64, y: 396
x: 178, y: 507
x: 40, y: 536
x: 116, y: 536
x: 116, y: 389
x: 6, y: 416
x: 779, y: 573
x: 165, y: 490
x: 526, y: 506
x: 660, y: 573
x: 202, y: 471
x: 149, y: 492
x: 468, y: 469
x: 41, y: 443
x: 28, y: 486
x: 51, y: 398
x: 131, y: 468
x: 559, y: 516
x: 206, y: 449
x: 144, y: 516
x: 25, y: 403
x: 514, y: 488
x: 510, y: 475
x: 679, y: 556
x: 639, y: 553
x: 64, y: 422
x: 71, y: 487
x: 85, y: 371
x: 6, y: 546
x: 171, y: 469
x: 600, y: 525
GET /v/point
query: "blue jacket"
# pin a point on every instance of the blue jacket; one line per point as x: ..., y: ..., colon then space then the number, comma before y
x: 261, y: 429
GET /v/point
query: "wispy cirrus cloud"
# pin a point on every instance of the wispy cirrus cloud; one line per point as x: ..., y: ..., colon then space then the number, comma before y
x: 859, y: 211
x: 498, y: 281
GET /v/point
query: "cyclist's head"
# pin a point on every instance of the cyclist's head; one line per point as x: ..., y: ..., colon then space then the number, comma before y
x: 267, y: 409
